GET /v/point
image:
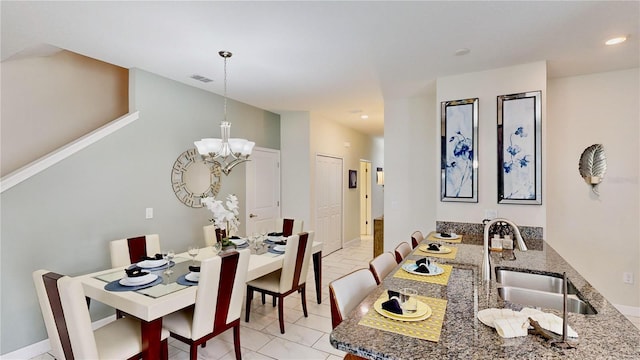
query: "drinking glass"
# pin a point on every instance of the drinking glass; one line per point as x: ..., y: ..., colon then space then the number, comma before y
x: 217, y: 247
x: 168, y: 255
x: 193, y: 252
x: 409, y: 300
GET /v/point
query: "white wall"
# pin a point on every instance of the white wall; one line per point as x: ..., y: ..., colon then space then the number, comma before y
x: 377, y: 191
x: 486, y: 86
x: 598, y: 235
x: 295, y: 166
x: 410, y: 159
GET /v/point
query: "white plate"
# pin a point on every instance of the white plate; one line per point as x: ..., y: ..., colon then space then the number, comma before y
x: 238, y: 242
x: 434, y: 269
x: 280, y: 248
x: 137, y: 281
x: 150, y: 264
x: 453, y: 236
x: 193, y: 276
x: 424, y: 311
x: 276, y: 238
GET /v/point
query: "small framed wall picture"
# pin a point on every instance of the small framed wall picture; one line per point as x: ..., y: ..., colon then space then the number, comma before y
x: 353, y: 179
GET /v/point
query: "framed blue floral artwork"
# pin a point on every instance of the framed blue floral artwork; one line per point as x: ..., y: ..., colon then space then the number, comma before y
x: 458, y: 150
x: 519, y: 148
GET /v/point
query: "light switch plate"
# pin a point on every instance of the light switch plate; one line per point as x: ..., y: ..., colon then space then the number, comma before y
x: 149, y: 213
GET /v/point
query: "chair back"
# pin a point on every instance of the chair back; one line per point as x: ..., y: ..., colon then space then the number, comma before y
x: 402, y: 251
x: 46, y: 284
x: 289, y: 226
x: 128, y: 251
x: 347, y: 292
x: 296, y: 261
x: 77, y: 317
x: 209, y: 232
x: 416, y: 238
x: 382, y: 265
x: 220, y: 292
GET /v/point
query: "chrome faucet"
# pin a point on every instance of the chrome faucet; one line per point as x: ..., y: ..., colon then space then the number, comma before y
x: 486, y: 268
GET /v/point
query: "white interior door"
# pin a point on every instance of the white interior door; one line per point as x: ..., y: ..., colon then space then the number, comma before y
x: 329, y: 202
x: 263, y: 190
x: 365, y: 198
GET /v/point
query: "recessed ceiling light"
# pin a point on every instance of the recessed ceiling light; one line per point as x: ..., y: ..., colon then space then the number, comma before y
x: 462, y: 51
x: 364, y: 116
x: 616, y: 40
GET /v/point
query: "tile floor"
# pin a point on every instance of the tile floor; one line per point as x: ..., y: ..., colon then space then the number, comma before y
x: 304, y: 338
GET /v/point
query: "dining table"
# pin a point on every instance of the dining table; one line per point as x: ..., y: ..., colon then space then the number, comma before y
x: 150, y: 304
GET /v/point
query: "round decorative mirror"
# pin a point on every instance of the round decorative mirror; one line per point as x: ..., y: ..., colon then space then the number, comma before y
x: 193, y: 179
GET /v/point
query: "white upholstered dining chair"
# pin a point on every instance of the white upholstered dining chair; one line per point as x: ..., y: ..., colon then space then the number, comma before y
x: 68, y: 323
x: 402, y: 251
x: 218, y: 303
x: 346, y: 292
x: 128, y: 251
x: 291, y: 278
x: 382, y: 265
x: 416, y: 238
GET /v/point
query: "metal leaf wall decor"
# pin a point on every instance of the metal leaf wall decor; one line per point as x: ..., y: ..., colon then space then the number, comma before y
x: 593, y: 165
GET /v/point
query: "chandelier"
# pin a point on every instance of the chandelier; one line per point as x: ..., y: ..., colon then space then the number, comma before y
x: 225, y: 152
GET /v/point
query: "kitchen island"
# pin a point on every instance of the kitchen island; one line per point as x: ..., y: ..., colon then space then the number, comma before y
x: 605, y: 335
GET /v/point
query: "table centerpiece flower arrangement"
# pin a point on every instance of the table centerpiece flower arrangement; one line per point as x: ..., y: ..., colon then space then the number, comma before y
x: 225, y: 219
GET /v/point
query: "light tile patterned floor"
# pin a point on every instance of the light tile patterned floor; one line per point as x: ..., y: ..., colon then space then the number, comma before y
x: 304, y: 338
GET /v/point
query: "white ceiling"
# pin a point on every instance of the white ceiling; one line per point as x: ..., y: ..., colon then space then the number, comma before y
x: 336, y: 59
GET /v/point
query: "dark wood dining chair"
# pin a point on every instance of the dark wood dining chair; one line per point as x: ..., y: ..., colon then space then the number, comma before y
x: 291, y: 278
x: 218, y: 303
x: 68, y: 323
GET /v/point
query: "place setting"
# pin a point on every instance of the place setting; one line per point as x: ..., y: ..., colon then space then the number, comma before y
x: 191, y: 278
x: 425, y: 270
x: 446, y: 236
x: 404, y: 312
x: 135, y: 278
x: 436, y: 249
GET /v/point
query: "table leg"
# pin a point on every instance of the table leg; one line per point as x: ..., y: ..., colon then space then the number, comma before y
x: 151, y: 332
x: 317, y: 272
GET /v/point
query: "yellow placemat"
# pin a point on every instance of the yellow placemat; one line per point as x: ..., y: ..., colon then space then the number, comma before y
x: 428, y: 329
x: 451, y: 255
x: 442, y: 279
x: 432, y: 238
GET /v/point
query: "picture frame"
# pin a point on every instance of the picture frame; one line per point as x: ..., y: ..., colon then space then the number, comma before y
x: 519, y: 148
x: 458, y: 150
x: 353, y: 179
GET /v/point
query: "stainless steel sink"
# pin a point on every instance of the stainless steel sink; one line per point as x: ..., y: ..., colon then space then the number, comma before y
x: 545, y: 299
x: 539, y: 289
x: 542, y: 281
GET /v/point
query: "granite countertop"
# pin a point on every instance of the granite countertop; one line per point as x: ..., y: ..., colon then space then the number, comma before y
x: 605, y: 335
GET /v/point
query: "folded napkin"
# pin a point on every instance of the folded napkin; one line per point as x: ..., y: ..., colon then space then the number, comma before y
x: 512, y: 327
x: 274, y: 234
x: 445, y: 235
x: 423, y: 266
x: 135, y: 271
x: 155, y: 257
x: 434, y: 247
x: 234, y: 237
x: 392, y: 305
x: 194, y: 268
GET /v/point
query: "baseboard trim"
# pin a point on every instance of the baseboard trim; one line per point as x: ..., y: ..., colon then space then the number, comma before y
x: 43, y: 346
x: 628, y: 310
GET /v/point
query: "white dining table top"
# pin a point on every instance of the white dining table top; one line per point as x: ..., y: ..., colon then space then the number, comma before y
x: 149, y: 308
